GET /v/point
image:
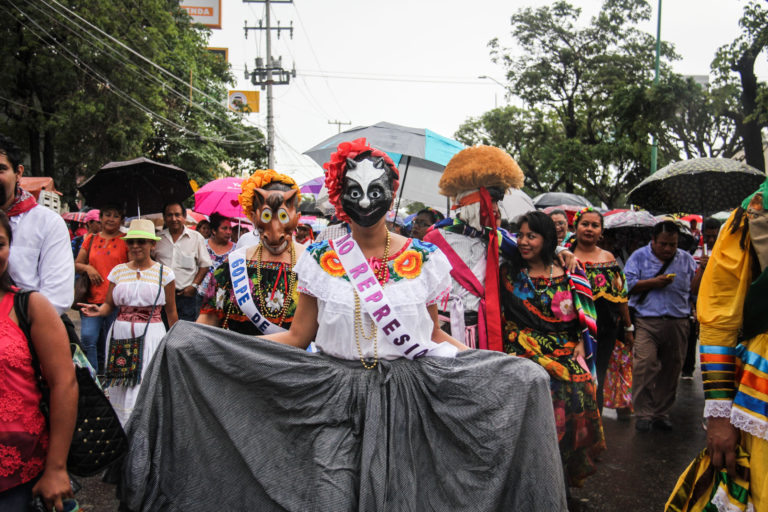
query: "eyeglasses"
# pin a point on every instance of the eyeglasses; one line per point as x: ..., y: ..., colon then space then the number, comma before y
x: 136, y: 241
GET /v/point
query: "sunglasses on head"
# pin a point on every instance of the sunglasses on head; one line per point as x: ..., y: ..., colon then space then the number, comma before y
x: 137, y: 241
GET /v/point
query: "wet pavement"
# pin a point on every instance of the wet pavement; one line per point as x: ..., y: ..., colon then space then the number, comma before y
x: 636, y: 473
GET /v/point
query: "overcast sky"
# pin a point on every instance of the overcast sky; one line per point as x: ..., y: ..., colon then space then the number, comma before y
x: 414, y: 63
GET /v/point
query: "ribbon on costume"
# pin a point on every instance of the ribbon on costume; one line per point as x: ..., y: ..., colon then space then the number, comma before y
x: 492, y: 296
x: 378, y: 306
x: 238, y: 273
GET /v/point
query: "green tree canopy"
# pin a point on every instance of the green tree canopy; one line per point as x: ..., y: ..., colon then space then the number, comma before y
x: 589, y: 105
x: 86, y: 82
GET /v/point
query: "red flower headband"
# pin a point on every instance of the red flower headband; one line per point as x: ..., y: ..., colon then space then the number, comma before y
x: 336, y: 168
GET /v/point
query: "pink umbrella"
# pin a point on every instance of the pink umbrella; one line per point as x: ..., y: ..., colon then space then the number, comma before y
x: 220, y: 196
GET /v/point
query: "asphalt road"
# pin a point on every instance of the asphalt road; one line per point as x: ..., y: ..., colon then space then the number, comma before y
x: 636, y: 473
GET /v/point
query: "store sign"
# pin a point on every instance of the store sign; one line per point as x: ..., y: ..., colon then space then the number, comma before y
x: 205, y: 12
x: 243, y: 101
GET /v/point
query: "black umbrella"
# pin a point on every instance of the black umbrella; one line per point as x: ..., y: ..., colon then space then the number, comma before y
x: 138, y: 186
x: 701, y: 185
x: 558, y: 198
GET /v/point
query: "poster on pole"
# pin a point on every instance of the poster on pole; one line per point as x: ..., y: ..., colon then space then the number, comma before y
x: 205, y: 12
x: 243, y: 101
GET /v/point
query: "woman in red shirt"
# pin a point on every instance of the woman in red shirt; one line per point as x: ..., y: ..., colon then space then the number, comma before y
x: 33, y: 457
x: 99, y: 254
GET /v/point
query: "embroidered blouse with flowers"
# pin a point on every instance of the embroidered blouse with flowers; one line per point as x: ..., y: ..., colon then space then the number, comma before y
x: 415, y: 277
x: 545, y: 318
x: 219, y: 297
x: 23, y: 434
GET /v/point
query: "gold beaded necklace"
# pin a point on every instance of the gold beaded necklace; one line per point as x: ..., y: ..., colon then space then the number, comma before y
x: 374, y: 333
x: 288, y: 297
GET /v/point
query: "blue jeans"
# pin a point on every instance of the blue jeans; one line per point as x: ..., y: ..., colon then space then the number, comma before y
x: 93, y: 336
x: 17, y: 499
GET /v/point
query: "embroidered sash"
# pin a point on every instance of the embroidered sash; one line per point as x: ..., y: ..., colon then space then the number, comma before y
x: 378, y: 306
x: 238, y: 273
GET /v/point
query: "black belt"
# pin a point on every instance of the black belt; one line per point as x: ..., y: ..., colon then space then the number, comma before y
x: 665, y: 317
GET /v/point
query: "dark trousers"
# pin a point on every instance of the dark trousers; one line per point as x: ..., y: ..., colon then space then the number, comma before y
x: 691, y: 354
x: 188, y: 308
x: 17, y: 499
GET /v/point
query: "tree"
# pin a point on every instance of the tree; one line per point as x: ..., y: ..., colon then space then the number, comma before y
x: 751, y: 114
x: 76, y: 97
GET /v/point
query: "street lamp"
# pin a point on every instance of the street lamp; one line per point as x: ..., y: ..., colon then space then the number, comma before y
x: 495, y: 96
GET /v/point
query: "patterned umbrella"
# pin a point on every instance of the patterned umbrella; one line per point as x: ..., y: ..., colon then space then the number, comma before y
x: 313, y: 186
x: 702, y: 185
x: 629, y: 219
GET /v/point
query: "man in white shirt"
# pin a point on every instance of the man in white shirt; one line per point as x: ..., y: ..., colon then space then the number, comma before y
x: 41, y: 253
x: 185, y: 252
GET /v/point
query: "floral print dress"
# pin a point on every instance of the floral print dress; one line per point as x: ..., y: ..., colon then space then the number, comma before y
x: 542, y: 323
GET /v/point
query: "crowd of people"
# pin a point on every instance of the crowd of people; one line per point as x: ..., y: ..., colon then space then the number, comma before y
x: 375, y: 354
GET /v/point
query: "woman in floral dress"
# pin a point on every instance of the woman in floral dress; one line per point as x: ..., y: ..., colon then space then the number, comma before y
x: 549, y: 318
x: 609, y: 291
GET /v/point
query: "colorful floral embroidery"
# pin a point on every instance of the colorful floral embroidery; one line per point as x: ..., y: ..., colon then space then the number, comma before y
x: 562, y: 306
x: 408, y: 264
x: 607, y: 280
x: 330, y: 263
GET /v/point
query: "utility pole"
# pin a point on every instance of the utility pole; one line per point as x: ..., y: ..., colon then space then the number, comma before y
x: 654, y: 143
x: 340, y: 123
x: 264, y: 76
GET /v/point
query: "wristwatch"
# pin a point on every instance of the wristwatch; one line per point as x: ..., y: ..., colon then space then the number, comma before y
x: 631, y: 328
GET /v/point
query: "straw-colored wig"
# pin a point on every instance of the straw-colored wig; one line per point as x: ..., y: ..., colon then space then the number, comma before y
x: 480, y: 166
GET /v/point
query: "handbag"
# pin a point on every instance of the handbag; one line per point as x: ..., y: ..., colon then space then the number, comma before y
x: 83, y: 282
x: 98, y: 440
x: 125, y: 356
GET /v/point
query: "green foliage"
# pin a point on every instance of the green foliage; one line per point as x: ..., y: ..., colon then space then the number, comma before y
x: 734, y: 67
x: 591, y: 105
x: 415, y: 207
x: 76, y: 99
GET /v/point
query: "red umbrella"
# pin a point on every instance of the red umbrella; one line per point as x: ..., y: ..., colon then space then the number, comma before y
x: 75, y: 216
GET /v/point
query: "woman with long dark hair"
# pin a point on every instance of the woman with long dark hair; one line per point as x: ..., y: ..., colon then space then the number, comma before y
x: 549, y: 318
x: 33, y: 453
x: 609, y: 292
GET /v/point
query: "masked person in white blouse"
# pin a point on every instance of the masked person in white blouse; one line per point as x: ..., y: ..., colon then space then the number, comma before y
x: 390, y: 414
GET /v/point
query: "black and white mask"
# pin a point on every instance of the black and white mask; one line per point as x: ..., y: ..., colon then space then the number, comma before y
x: 367, y: 194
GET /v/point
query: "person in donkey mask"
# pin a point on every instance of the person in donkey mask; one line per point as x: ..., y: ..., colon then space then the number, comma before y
x: 390, y: 414
x: 268, y: 303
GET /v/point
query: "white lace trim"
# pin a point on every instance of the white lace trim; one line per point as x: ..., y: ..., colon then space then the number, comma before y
x: 717, y: 408
x: 723, y: 504
x: 748, y: 423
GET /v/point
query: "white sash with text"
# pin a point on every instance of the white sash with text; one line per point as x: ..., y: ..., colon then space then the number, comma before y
x: 377, y: 304
x: 238, y: 273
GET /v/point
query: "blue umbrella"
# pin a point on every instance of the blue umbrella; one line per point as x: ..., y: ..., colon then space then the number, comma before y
x: 420, y: 154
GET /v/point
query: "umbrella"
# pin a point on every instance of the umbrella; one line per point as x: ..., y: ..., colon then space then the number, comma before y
x: 704, y: 185
x: 628, y: 219
x: 75, y: 216
x: 560, y: 198
x: 312, y: 186
x: 138, y: 185
x: 420, y: 154
x: 220, y: 196
x: 515, y: 204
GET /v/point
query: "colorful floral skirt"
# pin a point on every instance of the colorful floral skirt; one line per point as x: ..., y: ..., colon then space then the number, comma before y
x: 577, y: 417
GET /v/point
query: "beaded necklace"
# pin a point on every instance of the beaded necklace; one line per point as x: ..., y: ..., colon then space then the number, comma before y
x: 374, y: 333
x: 546, y: 285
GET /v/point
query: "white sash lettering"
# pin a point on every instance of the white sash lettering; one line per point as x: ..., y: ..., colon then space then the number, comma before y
x: 377, y: 304
x: 238, y: 273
